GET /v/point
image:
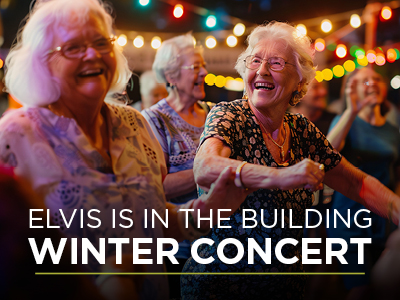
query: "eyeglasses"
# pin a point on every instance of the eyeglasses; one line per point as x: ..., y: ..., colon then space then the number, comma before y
x: 195, y: 67
x: 253, y: 62
x: 374, y: 81
x: 77, y: 50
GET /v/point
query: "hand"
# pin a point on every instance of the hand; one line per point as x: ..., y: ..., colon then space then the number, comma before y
x: 306, y: 174
x: 354, y: 103
x: 223, y: 194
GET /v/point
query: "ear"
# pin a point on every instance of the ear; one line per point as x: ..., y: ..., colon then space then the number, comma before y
x: 170, y: 79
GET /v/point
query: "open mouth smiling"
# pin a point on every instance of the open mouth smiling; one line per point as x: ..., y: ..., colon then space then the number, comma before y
x: 264, y: 86
x: 91, y: 73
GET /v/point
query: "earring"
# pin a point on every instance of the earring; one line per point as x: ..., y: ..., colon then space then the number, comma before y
x: 169, y: 85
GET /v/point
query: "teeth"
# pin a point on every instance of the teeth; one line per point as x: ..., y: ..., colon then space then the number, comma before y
x: 89, y: 72
x: 264, y: 85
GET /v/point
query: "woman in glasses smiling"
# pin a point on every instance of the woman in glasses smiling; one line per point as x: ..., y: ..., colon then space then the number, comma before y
x: 178, y: 121
x: 282, y: 157
x: 85, y: 155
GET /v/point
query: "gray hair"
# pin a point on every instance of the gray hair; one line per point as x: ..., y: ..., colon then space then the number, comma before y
x: 28, y: 77
x: 299, y: 44
x: 168, y: 58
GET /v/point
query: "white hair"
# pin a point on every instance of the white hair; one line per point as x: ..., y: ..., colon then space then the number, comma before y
x: 298, y: 43
x: 148, y: 81
x: 168, y: 57
x: 27, y: 76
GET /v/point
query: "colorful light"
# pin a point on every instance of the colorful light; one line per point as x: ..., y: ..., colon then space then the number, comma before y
x: 1, y: 63
x: 380, y: 59
x: 327, y: 74
x: 391, y: 55
x: 338, y: 71
x: 178, y: 11
x: 319, y: 45
x: 395, y: 82
x: 156, y: 42
x: 231, y: 41
x: 349, y: 66
x: 301, y: 30
x: 211, y: 42
x: 362, y: 60
x: 211, y: 21
x: 326, y: 25
x: 341, y: 50
x: 386, y: 13
x: 318, y: 76
x: 122, y: 40
x: 210, y: 79
x: 144, y: 2
x: 234, y: 84
x: 359, y: 52
x: 371, y: 56
x: 138, y: 42
x: 355, y: 21
x: 220, y: 81
x: 239, y: 29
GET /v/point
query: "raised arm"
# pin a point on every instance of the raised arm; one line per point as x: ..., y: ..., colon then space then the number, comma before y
x: 365, y: 189
x: 212, y: 158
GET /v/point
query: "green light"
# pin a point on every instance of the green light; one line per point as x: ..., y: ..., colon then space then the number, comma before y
x: 144, y: 2
x: 353, y: 50
x: 332, y: 47
x: 359, y: 52
x: 211, y: 21
x: 397, y: 53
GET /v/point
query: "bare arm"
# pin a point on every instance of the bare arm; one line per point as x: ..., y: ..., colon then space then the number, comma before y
x: 212, y: 158
x: 365, y: 189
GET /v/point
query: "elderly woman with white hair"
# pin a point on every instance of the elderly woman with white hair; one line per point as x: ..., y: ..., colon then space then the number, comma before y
x: 284, y: 158
x: 177, y: 122
x: 97, y: 164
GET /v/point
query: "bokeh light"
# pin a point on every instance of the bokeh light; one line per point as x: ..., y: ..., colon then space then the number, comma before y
x: 210, y: 79
x: 318, y: 76
x: 231, y: 41
x: 327, y: 74
x: 391, y: 55
x: 319, y: 44
x: 362, y: 60
x: 355, y: 21
x: 380, y: 59
x: 138, y: 42
x: 359, y: 52
x: 371, y: 56
x: 301, y: 30
x: 220, y: 81
x: 156, y: 42
x: 122, y: 40
x: 178, y: 11
x: 338, y: 71
x: 395, y: 82
x: 211, y: 21
x: 349, y: 66
x: 211, y: 42
x: 326, y: 25
x: 341, y: 50
x: 386, y: 13
x: 239, y: 29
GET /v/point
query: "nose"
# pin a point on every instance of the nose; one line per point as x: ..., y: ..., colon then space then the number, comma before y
x: 264, y: 69
x: 203, y: 70
x: 91, y: 53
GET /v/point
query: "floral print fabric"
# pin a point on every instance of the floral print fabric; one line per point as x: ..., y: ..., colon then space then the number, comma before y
x: 235, y: 124
x: 54, y: 154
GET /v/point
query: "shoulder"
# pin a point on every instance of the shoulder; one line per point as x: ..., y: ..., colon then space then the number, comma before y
x: 18, y: 119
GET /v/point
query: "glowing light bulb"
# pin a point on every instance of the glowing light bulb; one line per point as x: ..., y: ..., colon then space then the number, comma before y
x: 156, y: 42
x: 178, y: 11
x: 341, y: 50
x: 349, y: 66
x: 386, y: 13
x: 319, y: 45
x: 327, y: 74
x: 138, y: 42
x: 301, y: 30
x: 395, y: 82
x: 211, y: 42
x: 122, y: 40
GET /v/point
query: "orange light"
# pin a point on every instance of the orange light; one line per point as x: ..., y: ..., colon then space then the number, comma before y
x: 386, y: 13
x: 319, y: 45
x: 371, y: 56
x: 391, y: 55
x: 178, y: 11
x: 380, y: 59
x: 1, y: 63
x: 341, y: 50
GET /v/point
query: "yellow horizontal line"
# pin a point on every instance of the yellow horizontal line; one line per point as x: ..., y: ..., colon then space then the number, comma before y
x: 188, y: 274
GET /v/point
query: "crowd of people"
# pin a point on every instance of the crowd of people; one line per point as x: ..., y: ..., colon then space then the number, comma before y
x: 74, y: 146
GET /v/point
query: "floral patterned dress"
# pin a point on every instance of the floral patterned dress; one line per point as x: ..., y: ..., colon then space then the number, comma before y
x: 235, y: 124
x: 54, y: 154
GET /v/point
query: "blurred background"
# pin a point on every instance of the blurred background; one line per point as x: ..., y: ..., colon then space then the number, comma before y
x: 347, y: 34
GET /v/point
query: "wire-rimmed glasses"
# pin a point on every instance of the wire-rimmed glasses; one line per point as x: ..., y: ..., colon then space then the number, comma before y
x: 253, y: 62
x: 78, y: 50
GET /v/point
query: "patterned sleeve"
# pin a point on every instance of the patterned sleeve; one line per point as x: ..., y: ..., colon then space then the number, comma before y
x: 157, y: 127
x: 316, y: 146
x: 223, y: 123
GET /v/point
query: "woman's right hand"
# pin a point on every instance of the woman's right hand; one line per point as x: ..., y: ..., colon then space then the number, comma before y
x: 306, y: 174
x: 353, y: 101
